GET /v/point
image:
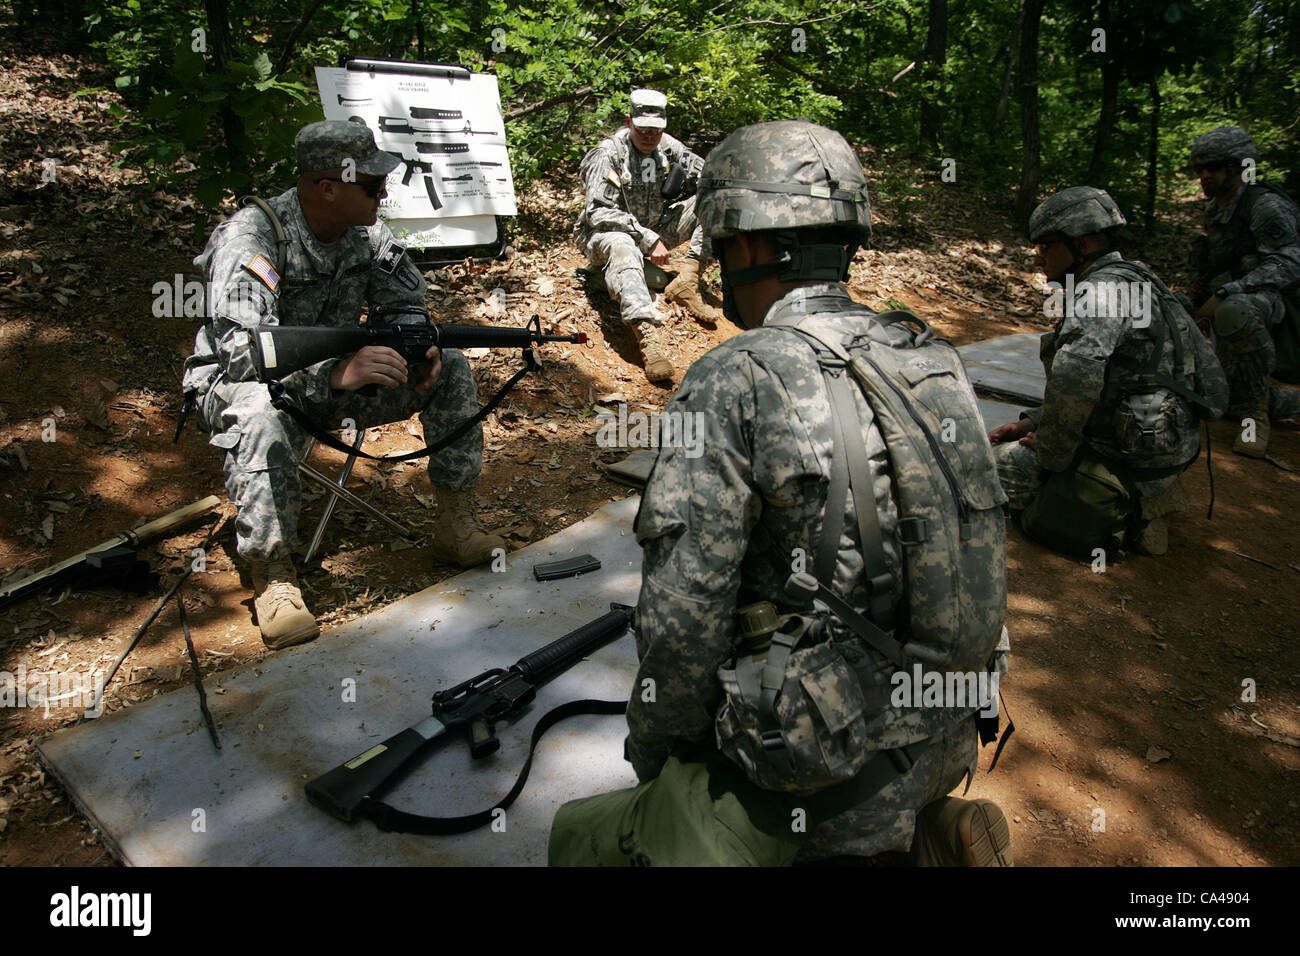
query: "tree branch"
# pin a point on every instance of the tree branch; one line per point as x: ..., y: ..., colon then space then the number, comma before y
x: 823, y: 84
x: 287, y: 53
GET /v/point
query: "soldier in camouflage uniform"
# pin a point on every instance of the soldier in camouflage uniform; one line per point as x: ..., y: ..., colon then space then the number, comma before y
x: 1247, y: 270
x: 718, y: 530
x: 628, y: 219
x: 1100, y: 347
x: 338, y: 258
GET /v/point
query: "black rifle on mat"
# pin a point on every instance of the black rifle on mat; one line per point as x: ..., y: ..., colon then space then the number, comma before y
x: 351, y: 790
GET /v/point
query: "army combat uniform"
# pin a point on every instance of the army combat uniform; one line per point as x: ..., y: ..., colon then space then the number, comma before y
x: 626, y: 214
x: 323, y: 284
x: 1250, y: 259
x: 722, y: 530
x: 1088, y: 360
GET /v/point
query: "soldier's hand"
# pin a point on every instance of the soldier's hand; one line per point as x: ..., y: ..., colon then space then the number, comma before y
x: 1030, y: 440
x: 659, y: 254
x: 1206, y: 311
x: 433, y: 367
x: 373, y: 365
x: 1006, y: 433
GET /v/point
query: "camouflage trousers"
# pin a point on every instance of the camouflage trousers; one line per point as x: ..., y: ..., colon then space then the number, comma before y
x: 1021, y: 476
x: 262, y: 445
x: 1244, y: 342
x: 886, y: 822
x: 618, y: 255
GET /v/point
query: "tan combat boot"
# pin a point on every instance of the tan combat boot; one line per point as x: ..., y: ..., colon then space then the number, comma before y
x: 657, y: 365
x: 1154, y: 537
x: 687, y: 288
x: 1258, y: 413
x: 953, y: 832
x: 282, y: 613
x: 458, y: 539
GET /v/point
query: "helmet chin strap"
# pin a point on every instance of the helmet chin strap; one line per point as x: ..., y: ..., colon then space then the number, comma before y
x: 794, y: 263
x: 1079, y: 258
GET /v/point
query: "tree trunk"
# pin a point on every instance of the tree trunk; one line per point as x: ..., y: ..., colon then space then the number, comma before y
x: 1110, y: 76
x: 936, y: 55
x: 232, y: 127
x: 1027, y: 196
x: 1012, y: 47
x: 1153, y: 154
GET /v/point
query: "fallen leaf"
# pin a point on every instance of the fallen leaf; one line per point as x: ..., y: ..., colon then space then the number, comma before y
x: 138, y: 754
x: 1156, y: 753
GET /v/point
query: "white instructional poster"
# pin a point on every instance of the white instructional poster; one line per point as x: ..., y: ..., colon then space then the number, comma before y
x: 448, y: 129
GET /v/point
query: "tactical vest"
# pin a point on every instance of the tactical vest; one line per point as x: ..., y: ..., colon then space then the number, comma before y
x: 798, y: 717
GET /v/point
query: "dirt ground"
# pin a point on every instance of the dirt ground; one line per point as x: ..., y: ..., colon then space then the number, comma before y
x: 1133, y: 742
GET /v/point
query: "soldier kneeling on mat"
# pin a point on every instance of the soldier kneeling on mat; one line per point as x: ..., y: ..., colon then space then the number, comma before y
x: 1129, y: 376
x: 764, y: 728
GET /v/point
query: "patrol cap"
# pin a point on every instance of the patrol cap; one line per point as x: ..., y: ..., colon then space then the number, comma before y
x: 330, y: 144
x: 649, y: 109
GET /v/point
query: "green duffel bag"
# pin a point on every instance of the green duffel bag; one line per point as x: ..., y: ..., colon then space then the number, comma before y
x: 1085, y: 507
x: 692, y: 814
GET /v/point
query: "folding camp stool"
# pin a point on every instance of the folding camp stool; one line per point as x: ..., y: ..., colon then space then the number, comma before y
x: 337, y: 490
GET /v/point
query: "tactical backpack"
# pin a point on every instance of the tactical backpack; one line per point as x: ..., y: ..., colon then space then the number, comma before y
x: 799, y: 716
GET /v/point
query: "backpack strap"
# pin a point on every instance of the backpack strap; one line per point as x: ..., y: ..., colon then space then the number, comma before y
x: 281, y: 240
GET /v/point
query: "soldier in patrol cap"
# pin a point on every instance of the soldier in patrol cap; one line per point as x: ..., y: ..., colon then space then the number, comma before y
x: 1247, y: 270
x: 1128, y: 378
x: 316, y: 256
x: 785, y: 205
x: 640, y: 186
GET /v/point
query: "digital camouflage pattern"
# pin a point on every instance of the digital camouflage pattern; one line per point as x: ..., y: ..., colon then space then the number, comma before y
x: 726, y: 528
x: 1250, y: 257
x: 1077, y: 211
x: 1227, y: 144
x: 626, y: 214
x: 323, y: 284
x: 810, y: 176
x: 1085, y: 353
x: 334, y: 143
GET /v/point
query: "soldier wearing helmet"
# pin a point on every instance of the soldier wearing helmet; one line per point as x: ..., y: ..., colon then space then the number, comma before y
x: 1128, y: 377
x: 786, y: 206
x: 1247, y: 270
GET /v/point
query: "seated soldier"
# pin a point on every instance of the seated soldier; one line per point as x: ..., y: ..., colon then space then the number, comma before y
x: 337, y: 258
x: 1128, y: 376
x: 640, y: 186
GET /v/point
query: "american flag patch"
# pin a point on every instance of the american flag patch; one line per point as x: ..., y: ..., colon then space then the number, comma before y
x: 613, y: 177
x: 262, y: 268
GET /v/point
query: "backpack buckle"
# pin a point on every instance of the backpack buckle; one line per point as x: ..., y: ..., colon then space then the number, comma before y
x: 771, y: 740
x: 912, y: 531
x: 880, y: 584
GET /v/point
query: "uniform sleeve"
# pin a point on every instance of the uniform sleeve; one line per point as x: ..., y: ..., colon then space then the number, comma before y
x: 239, y: 265
x: 1274, y: 227
x: 1074, y: 386
x: 604, y: 210
x: 694, y: 526
x: 394, y: 277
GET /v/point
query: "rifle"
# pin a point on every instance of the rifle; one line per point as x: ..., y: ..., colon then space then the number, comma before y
x: 474, y: 706
x: 414, y: 164
x: 283, y: 349
x: 396, y: 124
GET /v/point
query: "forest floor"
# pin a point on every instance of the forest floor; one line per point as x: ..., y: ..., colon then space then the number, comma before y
x: 1133, y: 743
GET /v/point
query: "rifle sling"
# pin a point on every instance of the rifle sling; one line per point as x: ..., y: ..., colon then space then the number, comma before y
x: 391, y: 820
x: 281, y: 400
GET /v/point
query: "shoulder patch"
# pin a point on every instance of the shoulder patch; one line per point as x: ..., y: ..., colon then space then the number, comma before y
x: 261, y: 267
x: 1275, y: 230
x: 389, y: 255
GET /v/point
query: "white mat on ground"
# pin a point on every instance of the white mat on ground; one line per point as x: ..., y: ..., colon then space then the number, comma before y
x: 1007, y: 367
x: 144, y: 773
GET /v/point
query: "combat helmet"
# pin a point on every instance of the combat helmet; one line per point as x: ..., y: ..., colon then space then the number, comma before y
x: 779, y: 178
x: 1077, y: 211
x: 1227, y: 144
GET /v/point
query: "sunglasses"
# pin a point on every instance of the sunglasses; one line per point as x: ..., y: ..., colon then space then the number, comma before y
x: 1209, y: 168
x: 371, y: 186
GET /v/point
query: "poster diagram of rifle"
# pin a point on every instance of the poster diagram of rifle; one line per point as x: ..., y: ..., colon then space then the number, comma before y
x: 446, y: 125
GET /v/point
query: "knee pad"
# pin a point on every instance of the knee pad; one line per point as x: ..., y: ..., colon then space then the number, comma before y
x: 1231, y: 317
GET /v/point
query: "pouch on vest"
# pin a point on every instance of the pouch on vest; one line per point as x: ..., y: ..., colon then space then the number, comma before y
x: 692, y: 814
x: 795, y: 718
x: 1085, y: 507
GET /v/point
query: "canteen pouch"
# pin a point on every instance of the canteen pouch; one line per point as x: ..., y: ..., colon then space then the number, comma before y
x: 1150, y: 422
x: 803, y: 727
x: 1085, y: 507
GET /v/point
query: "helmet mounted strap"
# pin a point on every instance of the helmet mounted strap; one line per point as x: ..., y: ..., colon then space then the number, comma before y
x: 823, y: 262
